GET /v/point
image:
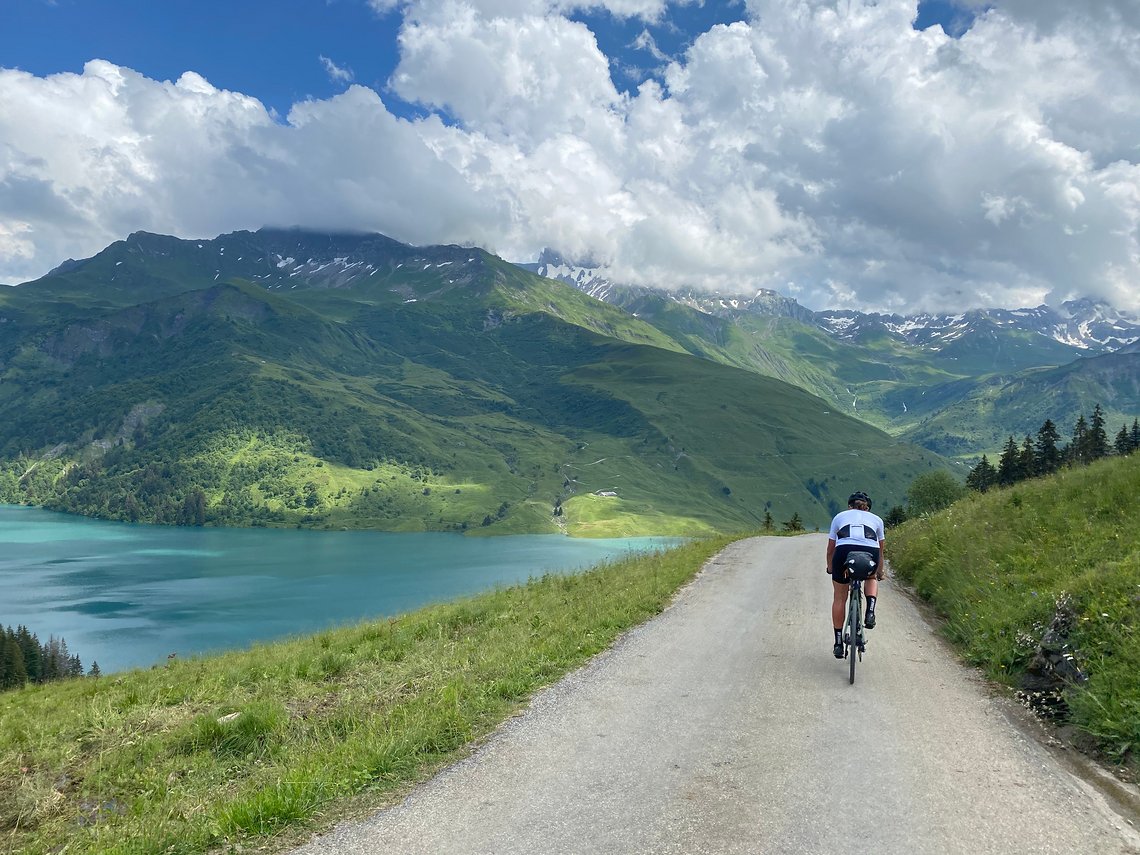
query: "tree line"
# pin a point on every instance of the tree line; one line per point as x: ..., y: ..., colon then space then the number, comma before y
x: 24, y: 659
x: 1044, y: 454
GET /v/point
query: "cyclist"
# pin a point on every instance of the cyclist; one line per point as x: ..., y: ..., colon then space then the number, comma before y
x: 855, y: 529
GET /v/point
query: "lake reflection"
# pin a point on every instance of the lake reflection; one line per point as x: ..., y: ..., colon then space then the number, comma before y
x: 128, y: 595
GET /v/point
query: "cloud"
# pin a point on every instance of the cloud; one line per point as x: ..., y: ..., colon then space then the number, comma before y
x: 646, y: 42
x: 528, y: 77
x: 822, y: 148
x: 646, y: 10
x: 335, y: 72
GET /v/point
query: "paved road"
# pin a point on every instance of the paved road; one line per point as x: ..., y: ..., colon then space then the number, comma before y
x: 726, y: 726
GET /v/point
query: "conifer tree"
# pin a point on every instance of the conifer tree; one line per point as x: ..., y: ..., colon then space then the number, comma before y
x: 1027, y: 460
x: 983, y: 476
x: 1135, y: 434
x: 56, y: 659
x: 30, y: 647
x: 1009, y: 465
x: 896, y: 516
x: 1097, y: 437
x: 12, y: 671
x: 795, y: 523
x: 1048, y: 456
x: 1077, y: 451
x: 1122, y: 445
x: 768, y: 522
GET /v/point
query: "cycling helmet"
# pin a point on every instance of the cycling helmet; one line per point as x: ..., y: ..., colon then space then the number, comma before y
x: 859, y: 496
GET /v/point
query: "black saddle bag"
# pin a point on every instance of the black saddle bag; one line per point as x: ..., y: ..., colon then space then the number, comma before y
x: 860, y: 565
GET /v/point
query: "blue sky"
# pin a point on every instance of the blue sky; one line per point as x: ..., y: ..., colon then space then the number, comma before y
x: 889, y: 154
x: 269, y: 50
x: 273, y: 50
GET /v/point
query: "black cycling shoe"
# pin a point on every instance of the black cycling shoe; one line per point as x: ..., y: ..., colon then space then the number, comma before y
x: 838, y: 650
x: 869, y: 623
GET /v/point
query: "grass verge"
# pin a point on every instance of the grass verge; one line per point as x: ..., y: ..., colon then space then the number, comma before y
x: 248, y: 749
x: 997, y: 566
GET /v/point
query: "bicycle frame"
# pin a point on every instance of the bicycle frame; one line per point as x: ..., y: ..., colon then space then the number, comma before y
x: 854, y: 639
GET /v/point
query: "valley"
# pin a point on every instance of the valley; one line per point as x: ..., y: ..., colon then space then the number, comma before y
x: 292, y: 378
x: 958, y: 385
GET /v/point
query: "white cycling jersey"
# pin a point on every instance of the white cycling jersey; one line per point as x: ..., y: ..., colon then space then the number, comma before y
x: 856, y: 527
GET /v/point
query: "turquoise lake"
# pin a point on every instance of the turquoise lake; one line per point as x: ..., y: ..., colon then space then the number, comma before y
x: 129, y: 595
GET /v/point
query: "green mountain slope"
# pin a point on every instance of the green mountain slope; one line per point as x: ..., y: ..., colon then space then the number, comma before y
x: 958, y: 391
x: 1038, y: 586
x: 283, y: 378
x: 982, y: 414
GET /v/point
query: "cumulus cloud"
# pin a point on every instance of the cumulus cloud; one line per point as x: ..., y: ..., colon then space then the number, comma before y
x: 824, y: 148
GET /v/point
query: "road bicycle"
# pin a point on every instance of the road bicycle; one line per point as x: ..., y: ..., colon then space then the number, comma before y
x: 860, y: 567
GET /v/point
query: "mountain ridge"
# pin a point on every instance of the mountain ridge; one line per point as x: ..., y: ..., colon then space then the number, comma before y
x: 1083, y: 323
x: 274, y: 378
x: 895, y: 371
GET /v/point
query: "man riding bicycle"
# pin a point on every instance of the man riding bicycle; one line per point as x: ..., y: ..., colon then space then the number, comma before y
x: 853, y: 530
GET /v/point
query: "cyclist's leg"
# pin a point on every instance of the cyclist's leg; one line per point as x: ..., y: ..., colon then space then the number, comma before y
x: 838, y: 615
x: 838, y: 604
x: 871, y: 594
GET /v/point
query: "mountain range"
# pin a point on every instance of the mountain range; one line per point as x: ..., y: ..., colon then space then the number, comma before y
x: 957, y: 384
x: 1087, y: 325
x: 288, y: 377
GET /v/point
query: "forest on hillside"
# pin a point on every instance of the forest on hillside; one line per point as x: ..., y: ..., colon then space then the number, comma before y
x: 1045, y: 454
x: 25, y: 659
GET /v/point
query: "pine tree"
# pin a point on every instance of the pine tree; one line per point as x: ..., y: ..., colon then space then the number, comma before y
x: 94, y: 672
x: 1079, y: 448
x: 1097, y: 438
x: 1135, y: 434
x: 56, y: 659
x: 1009, y: 466
x: 983, y: 476
x: 768, y: 522
x: 5, y: 665
x: 795, y: 523
x: 1048, y: 455
x: 30, y: 647
x: 1122, y: 445
x: 1027, y: 460
x: 12, y: 671
x: 896, y: 516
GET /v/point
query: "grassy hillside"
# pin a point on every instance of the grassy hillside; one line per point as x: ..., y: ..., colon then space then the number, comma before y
x: 977, y: 416
x: 1001, y: 566
x: 853, y: 377
x: 397, y: 388
x: 226, y: 752
x: 959, y: 393
x: 960, y: 400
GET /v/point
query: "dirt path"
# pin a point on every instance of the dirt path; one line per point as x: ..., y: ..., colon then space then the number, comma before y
x: 726, y: 726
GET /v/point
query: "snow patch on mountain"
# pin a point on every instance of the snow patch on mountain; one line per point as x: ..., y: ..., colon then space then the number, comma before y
x: 1084, y: 324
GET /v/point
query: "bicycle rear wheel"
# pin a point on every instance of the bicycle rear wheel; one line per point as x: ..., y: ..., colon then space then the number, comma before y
x: 853, y: 625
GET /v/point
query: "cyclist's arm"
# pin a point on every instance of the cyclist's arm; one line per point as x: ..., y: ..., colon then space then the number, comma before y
x: 882, y: 557
x: 830, y: 553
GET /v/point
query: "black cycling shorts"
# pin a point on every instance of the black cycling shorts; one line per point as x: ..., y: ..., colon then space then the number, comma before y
x: 838, y: 572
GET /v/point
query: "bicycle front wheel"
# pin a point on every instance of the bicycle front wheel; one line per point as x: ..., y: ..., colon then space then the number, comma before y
x: 853, y: 624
